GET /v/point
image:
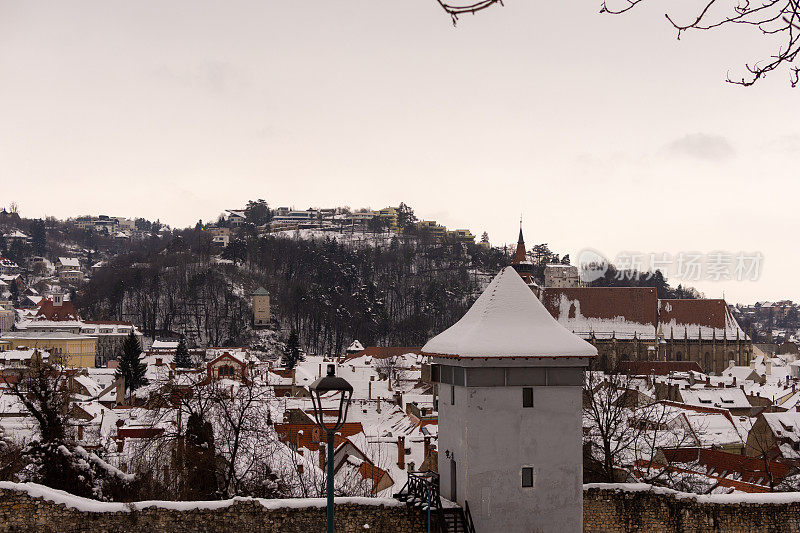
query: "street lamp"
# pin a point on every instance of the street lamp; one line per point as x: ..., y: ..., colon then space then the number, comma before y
x: 323, y: 386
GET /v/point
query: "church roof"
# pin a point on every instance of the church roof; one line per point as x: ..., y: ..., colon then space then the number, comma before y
x: 508, y: 320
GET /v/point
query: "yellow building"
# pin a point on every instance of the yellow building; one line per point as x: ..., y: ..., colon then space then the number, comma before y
x: 76, y: 350
x: 389, y: 215
x: 430, y: 226
x: 261, y: 315
x: 460, y: 235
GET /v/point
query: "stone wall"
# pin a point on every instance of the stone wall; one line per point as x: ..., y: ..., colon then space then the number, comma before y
x: 606, y: 508
x: 35, y: 508
x: 631, y: 507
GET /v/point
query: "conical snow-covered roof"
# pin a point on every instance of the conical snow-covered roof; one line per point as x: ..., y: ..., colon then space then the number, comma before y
x: 508, y: 320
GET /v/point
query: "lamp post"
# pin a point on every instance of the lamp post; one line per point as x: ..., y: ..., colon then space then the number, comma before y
x: 336, y: 386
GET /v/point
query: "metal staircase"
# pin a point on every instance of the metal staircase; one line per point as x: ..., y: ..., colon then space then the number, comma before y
x: 421, y: 492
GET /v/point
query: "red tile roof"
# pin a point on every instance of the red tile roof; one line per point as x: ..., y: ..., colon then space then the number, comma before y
x: 634, y: 304
x: 310, y: 439
x: 48, y: 311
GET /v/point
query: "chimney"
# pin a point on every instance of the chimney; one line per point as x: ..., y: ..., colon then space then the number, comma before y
x: 299, y: 469
x: 323, y: 454
x: 708, y: 380
x: 80, y: 432
x: 379, y: 405
x: 797, y: 407
x: 369, y: 394
x: 319, y: 370
x: 401, y: 452
x: 734, y: 381
x: 427, y: 448
x: 121, y: 390
x: 769, y: 367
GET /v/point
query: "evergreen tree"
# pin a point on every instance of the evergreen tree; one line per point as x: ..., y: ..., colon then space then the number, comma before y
x: 38, y: 237
x: 131, y: 366
x: 291, y: 356
x: 182, y: 359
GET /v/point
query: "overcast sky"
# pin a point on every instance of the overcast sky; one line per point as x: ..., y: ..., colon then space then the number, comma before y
x: 604, y: 132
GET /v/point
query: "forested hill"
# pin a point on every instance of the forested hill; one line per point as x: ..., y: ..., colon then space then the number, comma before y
x: 395, y: 292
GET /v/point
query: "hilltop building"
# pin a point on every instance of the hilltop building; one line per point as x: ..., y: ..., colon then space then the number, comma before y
x: 510, y: 440
x: 561, y: 276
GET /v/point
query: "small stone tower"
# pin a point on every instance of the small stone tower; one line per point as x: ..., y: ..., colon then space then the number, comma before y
x: 261, y: 314
x: 510, y: 408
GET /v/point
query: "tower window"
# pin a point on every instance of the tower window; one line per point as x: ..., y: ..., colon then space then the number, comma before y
x: 527, y: 396
x: 452, y: 394
x: 527, y: 476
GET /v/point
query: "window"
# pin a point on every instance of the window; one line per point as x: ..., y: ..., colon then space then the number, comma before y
x: 527, y: 476
x: 527, y: 396
x: 452, y: 394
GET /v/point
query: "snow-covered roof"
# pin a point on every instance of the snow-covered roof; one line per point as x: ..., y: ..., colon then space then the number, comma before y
x: 69, y: 261
x: 507, y: 320
x: 728, y: 398
x: 356, y: 346
x: 165, y: 344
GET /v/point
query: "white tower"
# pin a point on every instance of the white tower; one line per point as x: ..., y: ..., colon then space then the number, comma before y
x: 510, y: 407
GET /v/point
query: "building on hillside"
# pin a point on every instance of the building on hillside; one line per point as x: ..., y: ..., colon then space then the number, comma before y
x: 110, y: 336
x: 430, y: 227
x: 236, y: 218
x: 561, y: 276
x: 460, y: 235
x: 633, y: 324
x: 72, y: 277
x: 228, y: 365
x: 261, y: 312
x: 388, y: 215
x: 8, y: 267
x: 7, y: 315
x: 67, y: 263
x: 509, y: 397
x: 74, y: 349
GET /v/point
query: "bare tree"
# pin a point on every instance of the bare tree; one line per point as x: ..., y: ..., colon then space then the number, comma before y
x: 624, y: 430
x: 456, y: 9
x: 777, y: 19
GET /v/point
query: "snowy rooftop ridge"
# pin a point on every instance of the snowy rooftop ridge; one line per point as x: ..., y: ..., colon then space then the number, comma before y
x: 507, y: 320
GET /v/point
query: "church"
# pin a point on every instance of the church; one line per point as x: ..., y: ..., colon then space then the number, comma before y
x: 634, y: 324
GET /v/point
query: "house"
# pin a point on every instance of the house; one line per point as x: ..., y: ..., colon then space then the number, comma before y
x: 227, y: 366
x: 71, y: 277
x: 67, y: 263
x: 561, y: 276
x: 8, y: 267
x: 776, y: 435
x: 236, y: 217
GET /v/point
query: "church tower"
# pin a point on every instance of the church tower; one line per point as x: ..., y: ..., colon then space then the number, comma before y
x: 522, y: 265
